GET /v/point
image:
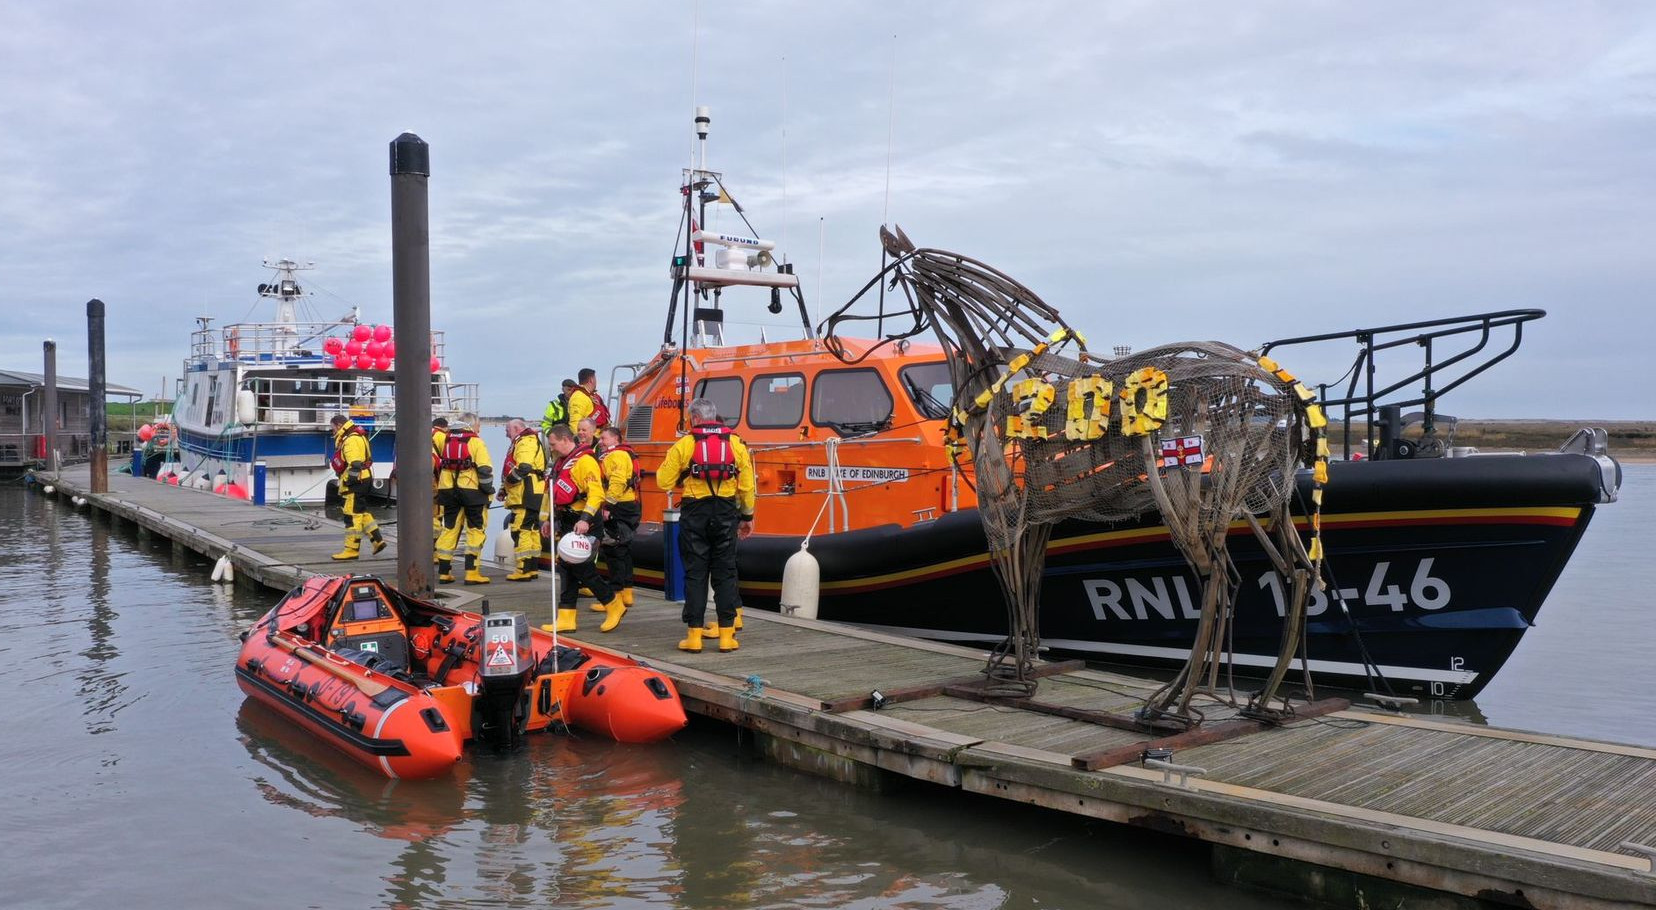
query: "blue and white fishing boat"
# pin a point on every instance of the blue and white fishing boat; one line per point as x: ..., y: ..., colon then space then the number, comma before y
x: 263, y: 392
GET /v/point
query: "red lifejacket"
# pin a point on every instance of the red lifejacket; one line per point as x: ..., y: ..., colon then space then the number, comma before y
x: 712, y: 458
x: 338, y: 461
x: 600, y: 412
x: 564, y: 490
x: 507, y: 469
x: 457, y: 451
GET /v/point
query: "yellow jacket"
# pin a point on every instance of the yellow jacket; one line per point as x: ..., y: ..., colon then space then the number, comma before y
x: 529, y: 453
x: 618, y: 475
x: 439, y: 435
x: 580, y: 406
x: 353, y: 450
x: 467, y: 478
x: 589, y: 480
x: 676, y: 467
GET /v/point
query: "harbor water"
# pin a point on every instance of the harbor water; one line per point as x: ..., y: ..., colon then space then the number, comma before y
x: 138, y: 777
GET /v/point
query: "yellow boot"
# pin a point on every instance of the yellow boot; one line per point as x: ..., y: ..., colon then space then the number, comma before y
x: 727, y: 639
x: 525, y: 571
x: 445, y: 572
x: 692, y: 641
x: 566, y: 621
x: 711, y: 630
x: 626, y: 596
x: 613, y: 611
x: 350, y: 552
x: 474, y: 577
x: 738, y: 626
x: 595, y: 606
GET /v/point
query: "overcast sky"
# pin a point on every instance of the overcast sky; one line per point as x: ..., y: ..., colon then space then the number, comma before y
x: 1158, y: 171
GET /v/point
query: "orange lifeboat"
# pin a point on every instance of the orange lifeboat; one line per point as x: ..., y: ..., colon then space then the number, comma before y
x: 400, y: 684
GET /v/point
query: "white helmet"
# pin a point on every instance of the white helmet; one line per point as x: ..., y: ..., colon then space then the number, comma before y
x: 573, y: 548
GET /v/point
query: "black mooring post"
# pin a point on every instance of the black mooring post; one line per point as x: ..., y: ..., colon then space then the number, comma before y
x: 49, y: 407
x: 411, y: 307
x: 95, y: 390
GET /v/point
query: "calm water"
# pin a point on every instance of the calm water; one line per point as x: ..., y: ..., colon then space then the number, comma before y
x: 136, y: 776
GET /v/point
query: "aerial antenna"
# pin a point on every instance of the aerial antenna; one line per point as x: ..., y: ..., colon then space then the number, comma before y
x: 891, y: 131
x: 784, y: 247
x: 695, y: 45
x: 816, y: 304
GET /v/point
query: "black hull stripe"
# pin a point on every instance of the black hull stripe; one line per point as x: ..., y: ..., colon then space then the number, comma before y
x: 351, y: 739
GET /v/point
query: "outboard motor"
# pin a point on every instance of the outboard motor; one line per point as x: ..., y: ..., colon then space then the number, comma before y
x: 506, y: 662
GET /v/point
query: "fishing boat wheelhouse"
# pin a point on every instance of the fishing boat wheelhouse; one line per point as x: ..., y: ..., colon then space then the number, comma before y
x: 256, y: 392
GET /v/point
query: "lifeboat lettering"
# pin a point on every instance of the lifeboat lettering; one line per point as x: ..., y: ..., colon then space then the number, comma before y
x: 853, y: 472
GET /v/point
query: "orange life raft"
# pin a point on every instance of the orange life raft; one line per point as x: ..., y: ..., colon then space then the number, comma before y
x: 399, y: 685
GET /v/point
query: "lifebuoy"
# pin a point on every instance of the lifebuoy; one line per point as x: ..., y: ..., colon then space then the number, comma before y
x: 232, y: 342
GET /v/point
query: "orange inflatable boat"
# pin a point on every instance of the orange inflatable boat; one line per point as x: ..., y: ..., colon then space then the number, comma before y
x: 400, y: 684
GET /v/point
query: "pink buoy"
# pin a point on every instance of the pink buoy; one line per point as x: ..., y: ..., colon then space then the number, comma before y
x: 361, y: 333
x: 374, y: 349
x: 353, y: 348
x: 382, y: 363
x: 390, y: 347
x: 172, y: 479
x: 146, y: 433
x: 332, y: 346
x: 436, y: 364
x: 342, y: 361
x: 382, y: 332
x: 234, y: 491
x: 364, y: 362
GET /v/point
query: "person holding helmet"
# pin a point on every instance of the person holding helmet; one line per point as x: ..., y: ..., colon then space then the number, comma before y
x: 352, y: 463
x: 525, y: 483
x: 465, y: 481
x: 621, y: 510
x: 584, y: 401
x: 577, y: 495
x: 719, y: 497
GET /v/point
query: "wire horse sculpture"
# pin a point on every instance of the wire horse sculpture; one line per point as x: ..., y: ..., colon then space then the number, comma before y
x: 1205, y: 434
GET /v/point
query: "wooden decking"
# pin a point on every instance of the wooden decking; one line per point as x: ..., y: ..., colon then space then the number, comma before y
x: 1489, y: 814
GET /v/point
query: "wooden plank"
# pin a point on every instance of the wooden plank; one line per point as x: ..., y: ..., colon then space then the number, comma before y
x: 1202, y: 736
x: 909, y: 693
x: 1101, y: 718
x: 1498, y: 733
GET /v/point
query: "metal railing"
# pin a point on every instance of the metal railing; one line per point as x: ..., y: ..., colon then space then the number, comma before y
x: 1436, y: 377
x: 253, y: 342
x: 309, y: 403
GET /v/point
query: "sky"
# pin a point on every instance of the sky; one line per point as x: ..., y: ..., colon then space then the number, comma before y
x: 1158, y: 171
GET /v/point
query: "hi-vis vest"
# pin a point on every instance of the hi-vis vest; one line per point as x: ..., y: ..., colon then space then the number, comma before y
x: 457, y: 451
x: 338, y: 461
x: 564, y: 489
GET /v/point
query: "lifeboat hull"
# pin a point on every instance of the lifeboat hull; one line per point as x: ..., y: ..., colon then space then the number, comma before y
x: 629, y: 703
x: 399, y: 691
x: 400, y: 731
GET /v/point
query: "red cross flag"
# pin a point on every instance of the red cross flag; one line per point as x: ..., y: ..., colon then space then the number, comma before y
x: 1185, y: 450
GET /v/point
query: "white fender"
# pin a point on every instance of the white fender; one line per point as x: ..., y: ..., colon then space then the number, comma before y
x: 247, y: 409
x: 223, y: 571
x: 801, y: 583
x: 505, y: 550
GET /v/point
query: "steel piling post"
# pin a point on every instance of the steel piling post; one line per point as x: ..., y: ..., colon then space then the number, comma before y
x: 95, y: 391
x: 411, y: 306
x: 49, y: 407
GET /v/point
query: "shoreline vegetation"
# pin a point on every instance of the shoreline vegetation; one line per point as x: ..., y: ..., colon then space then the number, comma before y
x: 1632, y: 441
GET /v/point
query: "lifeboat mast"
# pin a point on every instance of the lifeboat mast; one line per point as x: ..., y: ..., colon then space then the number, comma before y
x: 740, y: 261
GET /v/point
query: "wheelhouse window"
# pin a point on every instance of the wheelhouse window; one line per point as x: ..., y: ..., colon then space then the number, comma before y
x: 726, y: 395
x: 776, y: 401
x: 930, y: 387
x: 850, y: 401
